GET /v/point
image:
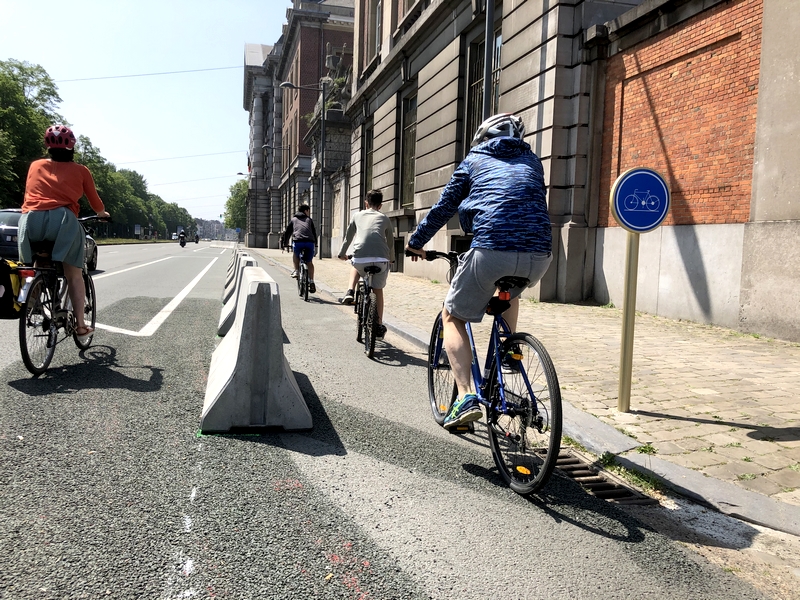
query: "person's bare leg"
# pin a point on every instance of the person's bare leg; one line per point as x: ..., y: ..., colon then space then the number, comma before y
x: 310, y: 266
x: 77, y: 292
x: 296, y: 262
x: 512, y: 315
x: 354, y: 277
x: 459, y: 353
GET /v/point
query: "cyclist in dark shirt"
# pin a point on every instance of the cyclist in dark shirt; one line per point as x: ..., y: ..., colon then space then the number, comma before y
x: 303, y: 234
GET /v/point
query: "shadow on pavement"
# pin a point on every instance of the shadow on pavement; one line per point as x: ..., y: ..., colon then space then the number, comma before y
x: 99, y: 369
x: 388, y: 355
x: 759, y: 432
x: 324, y: 441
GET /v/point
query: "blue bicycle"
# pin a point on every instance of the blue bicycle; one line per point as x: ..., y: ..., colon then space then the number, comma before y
x: 518, y: 389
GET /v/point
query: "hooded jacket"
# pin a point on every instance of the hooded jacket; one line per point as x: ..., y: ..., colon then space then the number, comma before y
x: 498, y: 191
x: 300, y: 229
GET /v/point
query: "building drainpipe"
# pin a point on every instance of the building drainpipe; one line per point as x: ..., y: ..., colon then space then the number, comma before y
x: 488, y: 60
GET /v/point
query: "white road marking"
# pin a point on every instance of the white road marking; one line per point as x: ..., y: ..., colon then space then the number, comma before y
x: 165, y: 312
x: 96, y: 277
x: 223, y: 252
x: 187, y: 523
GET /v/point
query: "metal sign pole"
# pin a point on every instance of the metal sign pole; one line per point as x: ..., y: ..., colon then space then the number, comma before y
x: 628, y: 323
x: 640, y: 200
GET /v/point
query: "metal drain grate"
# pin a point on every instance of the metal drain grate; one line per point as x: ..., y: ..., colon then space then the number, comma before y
x: 597, y: 482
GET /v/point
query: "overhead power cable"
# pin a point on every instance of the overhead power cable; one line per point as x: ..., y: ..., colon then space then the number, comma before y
x: 131, y: 162
x: 190, y: 180
x: 147, y: 74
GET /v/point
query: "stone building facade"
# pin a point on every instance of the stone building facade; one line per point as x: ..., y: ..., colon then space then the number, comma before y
x: 603, y: 85
x: 284, y: 150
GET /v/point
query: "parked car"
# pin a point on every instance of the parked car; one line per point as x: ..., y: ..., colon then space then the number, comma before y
x: 9, y: 224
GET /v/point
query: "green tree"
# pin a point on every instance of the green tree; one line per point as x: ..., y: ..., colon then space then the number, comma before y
x: 236, y: 206
x: 28, y: 101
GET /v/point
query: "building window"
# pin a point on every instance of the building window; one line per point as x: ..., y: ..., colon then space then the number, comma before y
x: 374, y: 24
x: 367, y: 146
x: 475, y: 84
x: 409, y: 142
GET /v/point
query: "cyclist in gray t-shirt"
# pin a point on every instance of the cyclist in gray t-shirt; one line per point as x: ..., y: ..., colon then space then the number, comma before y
x: 371, y: 241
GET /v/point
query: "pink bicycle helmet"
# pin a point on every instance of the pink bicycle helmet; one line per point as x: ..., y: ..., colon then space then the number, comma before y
x: 59, y: 136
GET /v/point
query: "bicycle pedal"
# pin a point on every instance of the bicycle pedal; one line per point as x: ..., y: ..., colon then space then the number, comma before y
x: 463, y: 429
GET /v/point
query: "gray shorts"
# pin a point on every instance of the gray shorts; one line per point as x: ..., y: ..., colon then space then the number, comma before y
x: 473, y: 285
x: 378, y: 279
x: 59, y: 225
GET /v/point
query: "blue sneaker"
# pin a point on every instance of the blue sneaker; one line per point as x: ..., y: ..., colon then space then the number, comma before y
x: 465, y: 410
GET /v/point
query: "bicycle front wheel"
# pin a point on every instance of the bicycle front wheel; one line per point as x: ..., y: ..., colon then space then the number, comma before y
x: 525, y: 434
x: 89, y: 312
x: 442, y: 389
x: 36, y: 340
x: 371, y: 325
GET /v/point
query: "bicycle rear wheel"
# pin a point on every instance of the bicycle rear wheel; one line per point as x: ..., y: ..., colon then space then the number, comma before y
x: 304, y: 293
x: 525, y: 437
x: 359, y: 312
x: 370, y: 325
x: 300, y: 281
x: 89, y: 312
x: 442, y: 390
x: 36, y: 340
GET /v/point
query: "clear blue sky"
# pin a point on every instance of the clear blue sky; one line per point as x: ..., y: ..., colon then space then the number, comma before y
x: 155, y: 117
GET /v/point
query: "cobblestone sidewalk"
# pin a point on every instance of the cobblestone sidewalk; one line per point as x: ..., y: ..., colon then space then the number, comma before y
x: 707, y: 398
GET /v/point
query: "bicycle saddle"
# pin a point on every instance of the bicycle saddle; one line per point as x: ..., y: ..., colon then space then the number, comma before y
x: 509, y: 282
x: 372, y: 269
x: 43, y: 249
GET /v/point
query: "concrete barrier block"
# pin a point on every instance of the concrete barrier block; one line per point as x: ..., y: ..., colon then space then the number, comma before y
x: 228, y: 313
x: 233, y: 283
x: 232, y: 267
x: 250, y: 383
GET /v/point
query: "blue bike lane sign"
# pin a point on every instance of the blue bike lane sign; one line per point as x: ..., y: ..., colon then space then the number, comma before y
x: 640, y: 200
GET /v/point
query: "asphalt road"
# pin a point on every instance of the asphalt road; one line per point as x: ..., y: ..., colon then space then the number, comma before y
x: 108, y: 490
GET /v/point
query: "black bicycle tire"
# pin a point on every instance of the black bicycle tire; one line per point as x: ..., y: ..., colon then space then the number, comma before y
x: 90, y: 304
x: 440, y: 377
x: 359, y: 313
x: 34, y: 296
x: 305, y: 283
x: 541, y: 460
x: 371, y: 330
x: 300, y: 281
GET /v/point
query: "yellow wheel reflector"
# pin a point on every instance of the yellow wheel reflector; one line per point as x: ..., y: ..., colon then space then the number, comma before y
x: 442, y: 407
x: 516, y: 356
x: 523, y: 470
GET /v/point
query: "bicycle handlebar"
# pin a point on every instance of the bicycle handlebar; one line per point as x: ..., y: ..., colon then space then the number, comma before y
x: 451, y: 257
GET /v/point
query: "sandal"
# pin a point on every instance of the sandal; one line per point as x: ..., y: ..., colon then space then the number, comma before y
x: 84, y: 332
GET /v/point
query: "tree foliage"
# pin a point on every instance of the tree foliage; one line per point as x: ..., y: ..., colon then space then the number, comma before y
x: 28, y: 103
x: 236, y: 206
x: 28, y: 98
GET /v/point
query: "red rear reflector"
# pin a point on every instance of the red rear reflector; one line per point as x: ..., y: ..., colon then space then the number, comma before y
x: 505, y: 296
x: 26, y: 272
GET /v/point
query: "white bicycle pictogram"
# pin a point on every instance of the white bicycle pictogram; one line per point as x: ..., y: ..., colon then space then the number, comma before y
x: 642, y: 201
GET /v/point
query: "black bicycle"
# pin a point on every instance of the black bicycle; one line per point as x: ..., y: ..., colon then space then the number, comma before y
x: 47, y: 314
x: 518, y: 387
x: 302, y: 280
x: 366, y: 308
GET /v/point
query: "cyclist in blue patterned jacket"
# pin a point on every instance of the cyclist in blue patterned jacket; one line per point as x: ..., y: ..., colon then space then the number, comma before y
x: 499, y: 193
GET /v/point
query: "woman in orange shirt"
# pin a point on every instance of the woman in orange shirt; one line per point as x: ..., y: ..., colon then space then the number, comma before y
x: 49, y: 212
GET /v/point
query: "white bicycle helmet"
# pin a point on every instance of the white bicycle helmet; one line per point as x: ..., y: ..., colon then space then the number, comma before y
x: 503, y: 124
